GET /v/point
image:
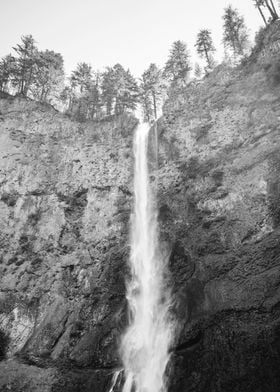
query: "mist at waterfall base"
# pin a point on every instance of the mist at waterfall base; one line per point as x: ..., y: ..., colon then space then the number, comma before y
x: 146, y: 342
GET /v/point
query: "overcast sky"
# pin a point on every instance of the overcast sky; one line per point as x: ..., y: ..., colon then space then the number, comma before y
x: 105, y: 32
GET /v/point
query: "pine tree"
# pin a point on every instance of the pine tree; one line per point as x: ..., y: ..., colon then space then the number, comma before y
x: 80, y: 82
x: 26, y: 62
x: 204, y: 46
x: 130, y: 93
x: 7, y: 70
x: 93, y: 97
x: 66, y: 97
x: 120, y: 85
x: 271, y: 8
x: 152, y: 89
x: 198, y: 71
x: 266, y: 5
x: 81, y: 77
x: 119, y: 90
x: 177, y: 66
x: 259, y: 4
x: 108, y: 89
x: 235, y: 35
x: 125, y: 90
x: 48, y: 76
x: 146, y: 104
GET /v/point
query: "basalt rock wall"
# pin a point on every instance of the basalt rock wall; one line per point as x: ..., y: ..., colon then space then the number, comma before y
x: 64, y: 205
x: 219, y: 191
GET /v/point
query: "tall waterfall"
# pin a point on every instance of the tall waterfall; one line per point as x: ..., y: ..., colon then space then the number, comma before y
x: 146, y: 343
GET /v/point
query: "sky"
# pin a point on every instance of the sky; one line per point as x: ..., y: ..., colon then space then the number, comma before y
x: 133, y: 33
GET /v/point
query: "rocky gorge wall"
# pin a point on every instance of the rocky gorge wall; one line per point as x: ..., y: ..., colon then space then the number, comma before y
x: 64, y: 207
x: 65, y: 201
x: 219, y: 189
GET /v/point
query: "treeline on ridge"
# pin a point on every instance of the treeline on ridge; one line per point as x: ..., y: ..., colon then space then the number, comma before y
x: 93, y: 95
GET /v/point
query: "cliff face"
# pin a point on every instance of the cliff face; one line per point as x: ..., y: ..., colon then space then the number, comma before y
x: 219, y: 197
x: 64, y: 206
x: 65, y: 200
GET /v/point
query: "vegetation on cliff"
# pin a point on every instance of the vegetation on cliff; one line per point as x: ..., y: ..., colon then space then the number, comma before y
x: 91, y: 94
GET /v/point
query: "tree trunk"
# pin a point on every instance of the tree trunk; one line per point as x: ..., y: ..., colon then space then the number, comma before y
x: 207, y: 56
x: 260, y: 10
x: 273, y: 14
x: 274, y: 9
x: 154, y: 105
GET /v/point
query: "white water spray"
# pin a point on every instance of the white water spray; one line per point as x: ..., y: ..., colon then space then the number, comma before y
x: 115, y: 380
x: 146, y: 342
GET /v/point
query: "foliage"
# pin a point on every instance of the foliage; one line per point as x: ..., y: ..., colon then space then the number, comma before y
x: 81, y: 77
x: 152, y: 90
x: 198, y: 72
x: 87, y: 95
x: 204, y: 46
x: 93, y: 95
x: 24, y: 72
x: 119, y: 90
x: 32, y: 73
x: 272, y: 70
x: 177, y: 66
x: 125, y: 90
x: 235, y: 36
x: 48, y: 76
x: 259, y: 38
x: 7, y: 70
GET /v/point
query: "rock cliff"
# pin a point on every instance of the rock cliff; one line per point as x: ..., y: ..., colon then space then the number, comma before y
x: 219, y: 196
x: 65, y: 200
x: 64, y: 206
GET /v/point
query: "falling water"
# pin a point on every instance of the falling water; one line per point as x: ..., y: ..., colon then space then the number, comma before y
x: 115, y: 380
x: 147, y: 340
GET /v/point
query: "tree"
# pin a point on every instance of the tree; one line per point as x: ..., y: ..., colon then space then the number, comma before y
x: 235, y: 36
x: 271, y: 8
x: 66, y: 97
x: 266, y: 5
x: 80, y: 82
x: 93, y: 97
x: 81, y: 77
x: 108, y: 89
x: 125, y: 90
x: 198, y: 71
x: 7, y: 70
x: 48, y: 76
x: 204, y: 46
x: 119, y: 90
x: 26, y: 61
x: 177, y: 66
x: 258, y: 5
x: 130, y: 93
x: 152, y: 89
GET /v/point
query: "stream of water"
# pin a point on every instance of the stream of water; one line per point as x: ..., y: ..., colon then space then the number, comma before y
x: 145, y: 344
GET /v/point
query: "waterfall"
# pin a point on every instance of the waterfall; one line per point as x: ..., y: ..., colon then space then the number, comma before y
x: 115, y: 380
x: 145, y: 344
